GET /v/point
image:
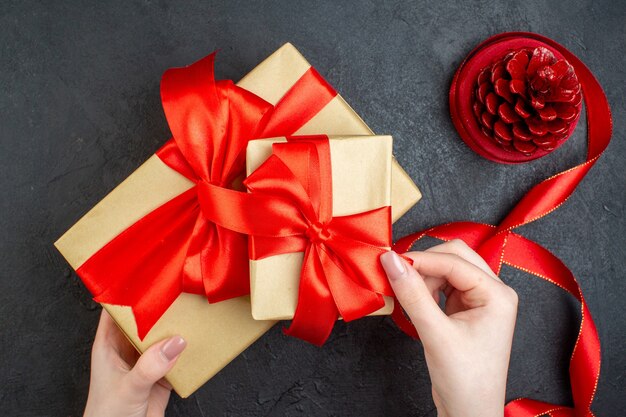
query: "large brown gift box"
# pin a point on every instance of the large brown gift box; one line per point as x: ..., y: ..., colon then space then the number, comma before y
x: 216, y: 333
x: 361, y: 181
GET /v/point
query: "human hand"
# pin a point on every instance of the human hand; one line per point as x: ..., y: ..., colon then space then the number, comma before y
x: 123, y: 383
x: 468, y: 347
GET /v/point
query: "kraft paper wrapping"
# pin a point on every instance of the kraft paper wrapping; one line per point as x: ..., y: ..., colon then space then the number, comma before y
x: 361, y: 181
x: 216, y: 333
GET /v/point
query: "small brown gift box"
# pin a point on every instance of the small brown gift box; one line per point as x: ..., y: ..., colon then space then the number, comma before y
x: 361, y: 181
x: 216, y: 333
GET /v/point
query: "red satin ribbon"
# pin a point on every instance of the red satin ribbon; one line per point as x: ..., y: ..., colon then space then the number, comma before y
x: 289, y: 209
x: 500, y: 245
x: 177, y: 248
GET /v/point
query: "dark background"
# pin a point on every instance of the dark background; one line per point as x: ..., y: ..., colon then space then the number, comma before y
x: 80, y: 110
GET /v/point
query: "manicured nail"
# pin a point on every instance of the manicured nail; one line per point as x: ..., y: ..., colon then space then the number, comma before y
x: 393, y: 265
x: 173, y: 347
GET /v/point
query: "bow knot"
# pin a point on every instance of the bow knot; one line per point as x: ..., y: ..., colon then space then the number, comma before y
x: 317, y: 232
x: 219, y: 182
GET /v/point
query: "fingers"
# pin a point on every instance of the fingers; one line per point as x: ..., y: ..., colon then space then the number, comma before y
x: 435, y: 287
x: 460, y: 248
x: 414, y: 296
x: 461, y: 274
x: 478, y: 287
x: 111, y: 344
x: 106, y: 327
x: 109, y: 338
x: 153, y: 365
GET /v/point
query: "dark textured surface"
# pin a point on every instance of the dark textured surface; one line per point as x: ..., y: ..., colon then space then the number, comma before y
x: 80, y: 111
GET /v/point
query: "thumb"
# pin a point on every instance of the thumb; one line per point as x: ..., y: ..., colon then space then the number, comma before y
x: 155, y: 362
x: 413, y: 295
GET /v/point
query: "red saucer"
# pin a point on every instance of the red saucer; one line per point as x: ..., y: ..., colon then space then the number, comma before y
x: 462, y: 90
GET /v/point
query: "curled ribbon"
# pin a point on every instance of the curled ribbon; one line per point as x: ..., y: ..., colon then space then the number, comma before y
x: 501, y: 246
x: 289, y: 209
x: 177, y: 248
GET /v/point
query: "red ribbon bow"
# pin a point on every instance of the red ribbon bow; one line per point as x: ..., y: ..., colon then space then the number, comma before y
x: 501, y: 246
x: 177, y: 248
x: 289, y: 209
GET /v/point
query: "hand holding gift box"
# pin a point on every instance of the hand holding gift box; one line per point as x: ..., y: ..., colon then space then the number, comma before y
x: 147, y: 244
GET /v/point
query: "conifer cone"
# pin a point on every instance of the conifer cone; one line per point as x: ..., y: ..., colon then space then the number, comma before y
x: 527, y: 100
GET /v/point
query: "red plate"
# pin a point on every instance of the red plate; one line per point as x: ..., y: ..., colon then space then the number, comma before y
x: 462, y: 90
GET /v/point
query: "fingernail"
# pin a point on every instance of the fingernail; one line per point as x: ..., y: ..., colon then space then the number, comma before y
x: 173, y: 347
x: 393, y: 265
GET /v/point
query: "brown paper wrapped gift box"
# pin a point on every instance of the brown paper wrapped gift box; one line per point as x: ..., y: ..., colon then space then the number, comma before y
x: 361, y: 181
x: 216, y: 333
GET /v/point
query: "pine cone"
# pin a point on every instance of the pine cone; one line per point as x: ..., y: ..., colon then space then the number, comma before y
x: 527, y: 100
